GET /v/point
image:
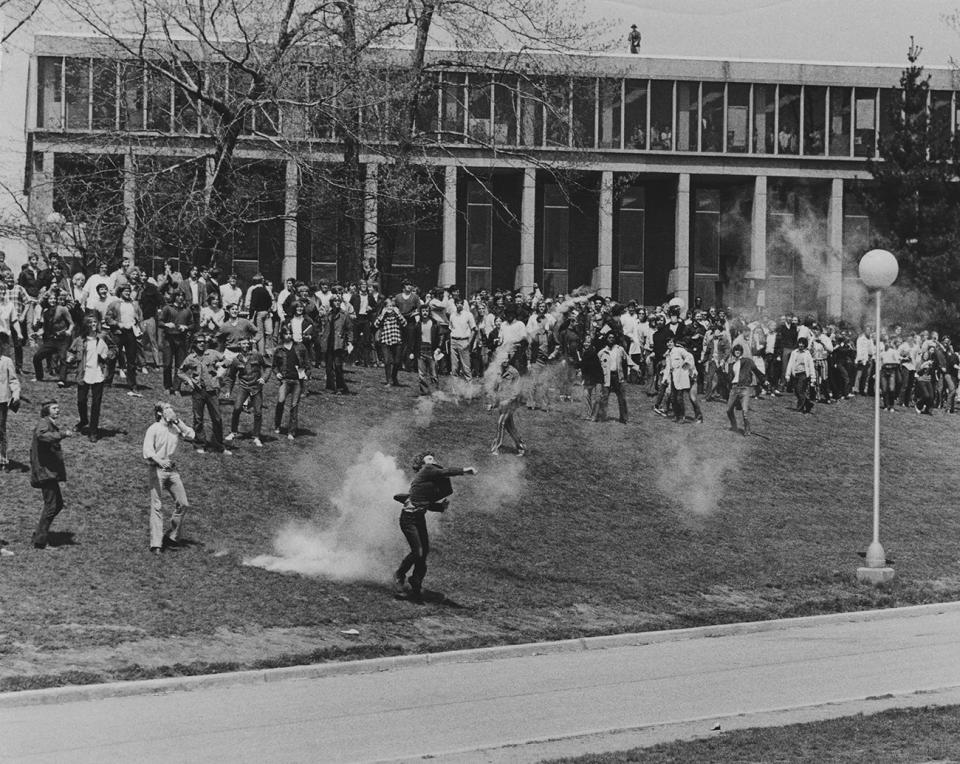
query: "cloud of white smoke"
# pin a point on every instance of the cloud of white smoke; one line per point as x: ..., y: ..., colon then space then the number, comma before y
x: 361, y: 543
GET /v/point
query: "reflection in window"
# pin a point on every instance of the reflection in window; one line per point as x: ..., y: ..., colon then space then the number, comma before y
x: 427, y: 106
x: 940, y: 109
x: 479, y: 125
x: 557, y: 101
x: 788, y: 133
x: 77, y: 86
x: 185, y: 116
x: 764, y: 116
x: 630, y: 233
x: 661, y: 115
x: 49, y: 94
x: 479, y: 236
x: 556, y: 239
x: 531, y: 114
x: 688, y: 94
x: 610, y: 112
x: 706, y: 237
x: 712, y: 120
x: 505, y: 111
x: 132, y: 99
x: 635, y: 114
x: 322, y: 104
x: 158, y: 102
x: 584, y: 112
x: 865, y: 122
x: 104, y: 94
x: 814, y: 120
x: 453, y: 112
x: 738, y: 117
x: 295, y: 92
x: 890, y: 100
x: 839, y: 122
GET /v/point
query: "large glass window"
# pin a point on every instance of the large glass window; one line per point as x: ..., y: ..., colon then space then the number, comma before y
x: 635, y: 114
x: 453, y: 110
x: 531, y: 113
x: 631, y: 229
x: 322, y: 104
x: 479, y: 236
x: 480, y: 125
x: 764, y: 119
x: 738, y: 117
x: 688, y: 96
x: 890, y: 100
x: 556, y: 239
x: 610, y: 113
x: 865, y: 122
x: 661, y: 115
x: 427, y: 106
x: 788, y: 132
x: 940, y: 110
x: 814, y: 120
x: 131, y: 96
x: 839, y: 145
x: 711, y: 138
x: 505, y: 111
x: 185, y: 115
x: 706, y: 236
x: 584, y: 93
x: 104, y: 94
x: 558, y: 111
x: 159, y: 102
x: 77, y: 86
x: 49, y: 93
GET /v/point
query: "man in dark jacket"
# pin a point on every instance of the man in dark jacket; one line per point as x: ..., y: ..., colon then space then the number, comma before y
x: 336, y: 341
x: 423, y: 340
x: 47, y: 470
x: 428, y: 491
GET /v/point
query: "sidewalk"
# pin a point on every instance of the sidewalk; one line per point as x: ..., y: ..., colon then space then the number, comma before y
x: 510, y: 704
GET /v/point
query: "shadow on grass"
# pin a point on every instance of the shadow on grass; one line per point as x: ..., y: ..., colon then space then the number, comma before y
x: 62, y: 538
x: 14, y: 466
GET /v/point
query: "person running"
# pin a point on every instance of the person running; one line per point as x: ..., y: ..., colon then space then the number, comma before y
x: 159, y: 445
x: 47, y: 469
x: 742, y: 372
x: 251, y: 371
x: 429, y: 490
x: 510, y: 400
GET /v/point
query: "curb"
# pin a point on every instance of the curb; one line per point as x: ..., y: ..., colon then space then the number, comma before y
x: 72, y: 693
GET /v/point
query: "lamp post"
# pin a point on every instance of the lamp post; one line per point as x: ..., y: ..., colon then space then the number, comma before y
x: 878, y: 270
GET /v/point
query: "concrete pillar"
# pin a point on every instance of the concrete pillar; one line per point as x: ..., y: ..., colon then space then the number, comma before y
x: 605, y: 247
x: 758, y: 239
x: 526, y: 275
x: 681, y: 259
x: 371, y: 206
x: 448, y: 266
x: 129, y: 205
x: 291, y: 200
x: 835, y: 249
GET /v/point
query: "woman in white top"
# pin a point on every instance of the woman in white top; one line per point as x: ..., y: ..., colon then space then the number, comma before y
x: 212, y: 315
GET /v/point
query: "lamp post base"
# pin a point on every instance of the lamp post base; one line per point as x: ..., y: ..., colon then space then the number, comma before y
x: 875, y: 575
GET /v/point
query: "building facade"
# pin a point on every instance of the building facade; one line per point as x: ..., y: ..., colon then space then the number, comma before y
x: 727, y: 181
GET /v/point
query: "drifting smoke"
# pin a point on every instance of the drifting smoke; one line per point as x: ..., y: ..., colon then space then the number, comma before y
x: 361, y: 543
x: 696, y: 481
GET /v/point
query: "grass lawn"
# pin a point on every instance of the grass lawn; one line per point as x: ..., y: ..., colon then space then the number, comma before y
x: 909, y: 735
x: 601, y: 528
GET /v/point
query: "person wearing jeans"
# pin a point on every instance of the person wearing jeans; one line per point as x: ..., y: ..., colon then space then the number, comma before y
x: 389, y: 327
x: 126, y: 321
x: 200, y: 373
x: 57, y: 327
x: 800, y: 371
x: 9, y: 395
x: 47, y: 469
x: 159, y: 444
x: 290, y: 364
x: 742, y: 373
x: 251, y: 372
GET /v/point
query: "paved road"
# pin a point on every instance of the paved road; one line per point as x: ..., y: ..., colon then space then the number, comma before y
x: 508, y: 709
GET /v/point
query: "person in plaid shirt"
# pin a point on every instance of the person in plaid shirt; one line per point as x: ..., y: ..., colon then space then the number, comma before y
x: 11, y: 292
x: 389, y: 325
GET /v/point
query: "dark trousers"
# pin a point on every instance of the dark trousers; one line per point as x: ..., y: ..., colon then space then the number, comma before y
x: 413, y: 525
x: 889, y: 377
x: 615, y: 387
x: 56, y: 348
x: 130, y: 348
x: 241, y: 396
x: 801, y: 386
x: 739, y: 398
x: 362, y: 338
x: 174, y: 351
x: 334, y: 368
x: 392, y: 361
x: 208, y: 400
x: 3, y: 430
x: 95, y: 393
x: 52, y: 504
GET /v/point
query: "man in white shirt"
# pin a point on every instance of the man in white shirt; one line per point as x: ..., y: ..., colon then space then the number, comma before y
x: 463, y: 332
x: 513, y: 337
x: 91, y: 354
x: 94, y: 281
x: 159, y: 444
x: 230, y: 293
x: 612, y: 359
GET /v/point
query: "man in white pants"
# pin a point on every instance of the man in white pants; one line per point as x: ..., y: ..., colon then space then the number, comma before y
x: 159, y: 445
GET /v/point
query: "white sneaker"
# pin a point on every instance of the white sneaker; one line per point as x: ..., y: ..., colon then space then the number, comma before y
x: 4, y: 552
x: 276, y: 432
x: 258, y: 443
x: 290, y: 436
x: 227, y: 452
x: 134, y: 394
x: 230, y: 437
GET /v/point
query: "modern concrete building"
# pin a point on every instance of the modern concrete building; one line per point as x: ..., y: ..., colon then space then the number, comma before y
x: 728, y: 181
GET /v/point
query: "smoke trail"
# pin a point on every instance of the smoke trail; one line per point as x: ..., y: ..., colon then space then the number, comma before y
x: 361, y: 543
x: 697, y: 481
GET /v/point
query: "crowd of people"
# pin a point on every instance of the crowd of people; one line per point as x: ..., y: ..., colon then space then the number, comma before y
x: 223, y: 343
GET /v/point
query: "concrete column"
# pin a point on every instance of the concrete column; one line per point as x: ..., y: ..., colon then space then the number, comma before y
x: 605, y: 247
x: 526, y: 275
x: 129, y: 204
x: 371, y: 206
x: 758, y: 239
x: 835, y: 249
x: 448, y: 266
x: 291, y: 200
x: 681, y: 259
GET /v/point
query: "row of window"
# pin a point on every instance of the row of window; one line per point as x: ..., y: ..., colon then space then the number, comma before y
x: 555, y: 112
